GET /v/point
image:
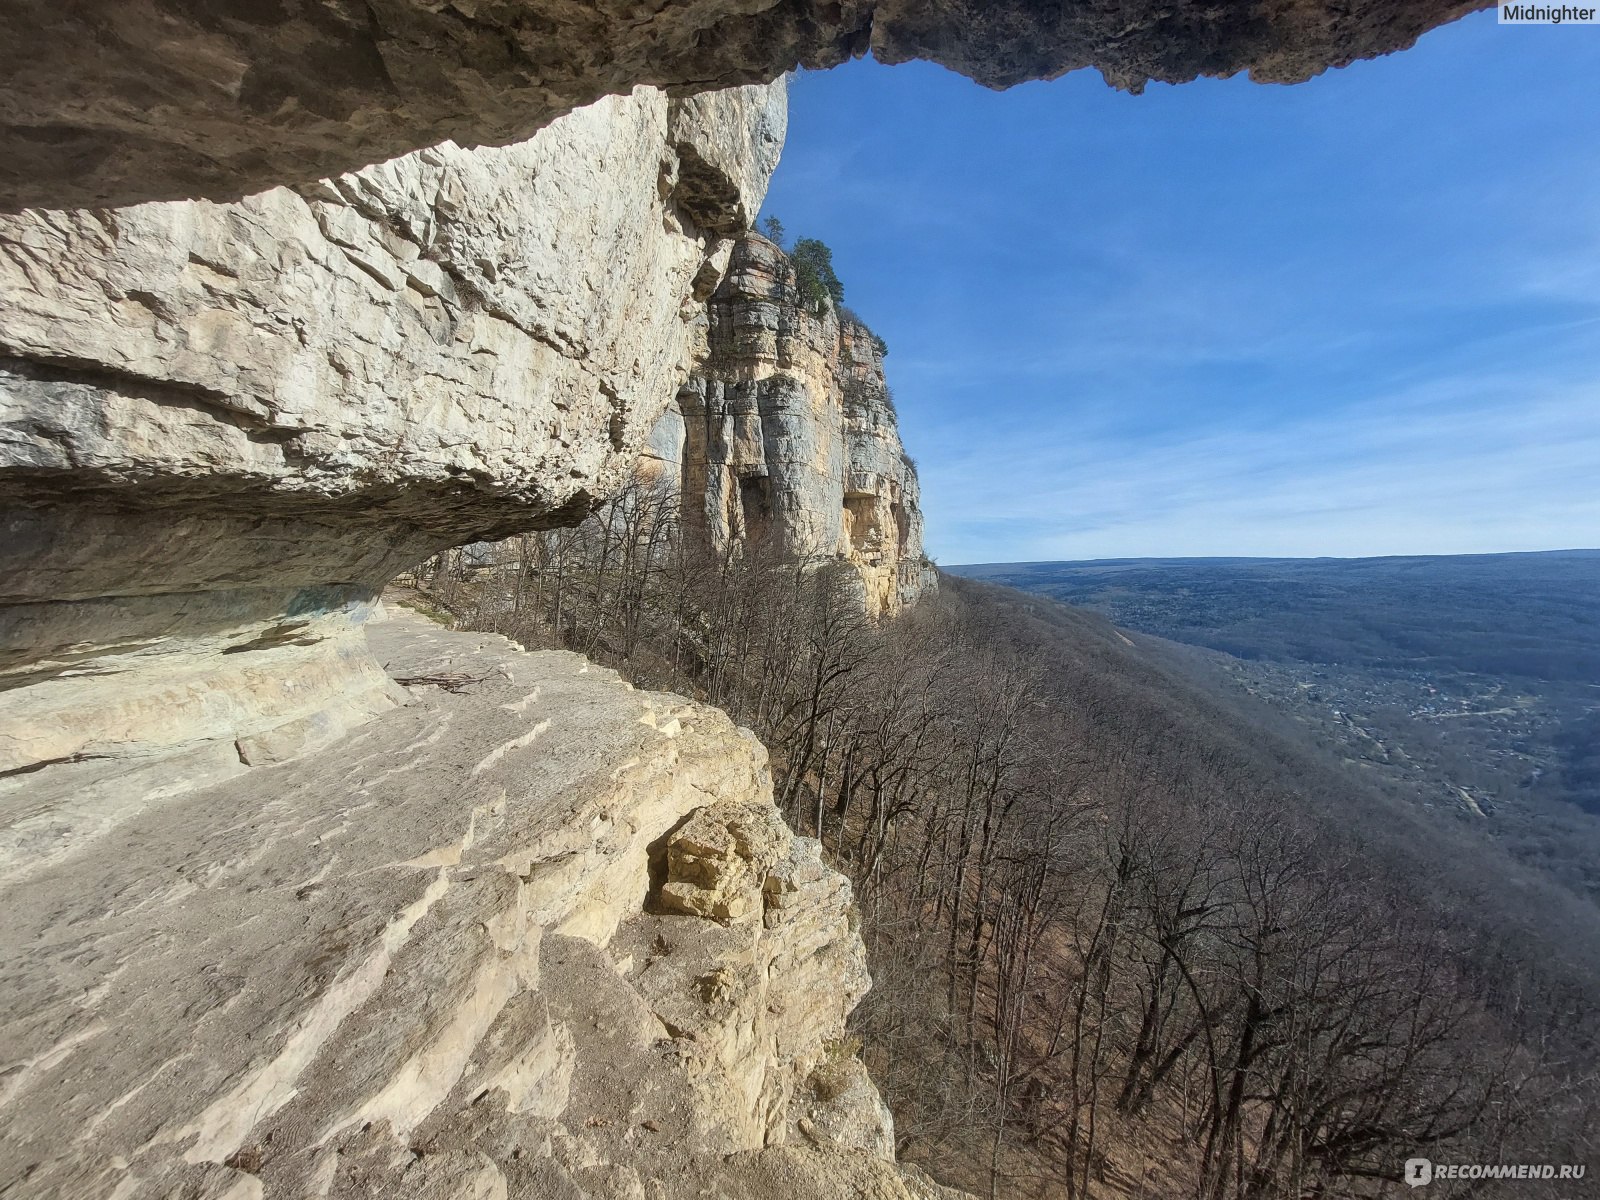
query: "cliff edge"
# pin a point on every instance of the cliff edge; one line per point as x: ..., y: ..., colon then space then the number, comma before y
x: 532, y: 933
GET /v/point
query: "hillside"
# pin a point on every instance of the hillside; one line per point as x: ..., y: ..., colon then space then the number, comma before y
x: 1468, y: 686
x: 1155, y: 729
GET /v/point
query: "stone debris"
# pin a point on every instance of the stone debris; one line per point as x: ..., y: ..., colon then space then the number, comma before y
x: 721, y: 860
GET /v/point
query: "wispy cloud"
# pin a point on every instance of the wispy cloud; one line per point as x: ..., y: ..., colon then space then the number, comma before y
x: 1452, y: 467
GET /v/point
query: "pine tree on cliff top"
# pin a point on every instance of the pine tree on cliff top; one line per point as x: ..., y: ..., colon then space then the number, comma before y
x: 814, y: 274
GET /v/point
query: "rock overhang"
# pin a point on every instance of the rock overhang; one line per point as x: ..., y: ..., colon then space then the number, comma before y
x: 108, y: 103
x: 212, y: 415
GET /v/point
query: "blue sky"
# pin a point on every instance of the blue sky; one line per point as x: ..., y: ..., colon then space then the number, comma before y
x: 1356, y: 316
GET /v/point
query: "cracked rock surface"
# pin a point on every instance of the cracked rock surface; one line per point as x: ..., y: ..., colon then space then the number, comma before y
x: 433, y: 962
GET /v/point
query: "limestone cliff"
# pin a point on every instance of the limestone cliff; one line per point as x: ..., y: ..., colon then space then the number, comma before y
x: 786, y: 431
x: 532, y: 934
x: 224, y: 426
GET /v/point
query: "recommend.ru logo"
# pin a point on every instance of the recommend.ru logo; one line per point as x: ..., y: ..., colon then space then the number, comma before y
x: 1421, y: 1171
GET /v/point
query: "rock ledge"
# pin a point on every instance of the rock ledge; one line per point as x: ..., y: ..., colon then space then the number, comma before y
x: 431, y: 961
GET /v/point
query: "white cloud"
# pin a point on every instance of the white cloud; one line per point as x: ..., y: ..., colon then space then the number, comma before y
x: 1456, y: 466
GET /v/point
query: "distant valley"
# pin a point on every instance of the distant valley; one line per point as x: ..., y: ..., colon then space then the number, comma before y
x: 1468, y: 685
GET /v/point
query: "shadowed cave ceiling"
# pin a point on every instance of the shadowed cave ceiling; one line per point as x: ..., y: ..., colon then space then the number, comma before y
x: 113, y: 102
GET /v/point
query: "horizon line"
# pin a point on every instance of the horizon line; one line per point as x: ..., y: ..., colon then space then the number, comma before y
x: 1044, y: 562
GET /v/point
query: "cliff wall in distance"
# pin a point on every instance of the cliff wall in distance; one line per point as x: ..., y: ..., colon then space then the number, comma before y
x: 786, y: 431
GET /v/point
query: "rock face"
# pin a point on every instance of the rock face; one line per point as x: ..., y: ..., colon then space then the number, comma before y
x: 223, y: 427
x: 452, y: 960
x: 786, y: 431
x: 107, y: 102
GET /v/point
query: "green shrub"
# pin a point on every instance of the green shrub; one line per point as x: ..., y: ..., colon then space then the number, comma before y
x: 814, y: 274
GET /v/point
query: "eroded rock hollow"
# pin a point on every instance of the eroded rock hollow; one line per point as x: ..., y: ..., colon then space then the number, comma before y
x: 227, y: 423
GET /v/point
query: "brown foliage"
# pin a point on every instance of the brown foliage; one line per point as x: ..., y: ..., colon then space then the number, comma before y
x: 1125, y: 942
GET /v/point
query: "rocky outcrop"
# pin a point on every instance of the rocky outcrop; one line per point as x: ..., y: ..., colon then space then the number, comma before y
x: 224, y: 426
x: 460, y: 958
x: 786, y: 431
x: 107, y: 102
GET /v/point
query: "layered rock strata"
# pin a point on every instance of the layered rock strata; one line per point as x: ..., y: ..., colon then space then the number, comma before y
x: 224, y: 426
x: 107, y: 102
x: 532, y: 933
x: 786, y: 431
